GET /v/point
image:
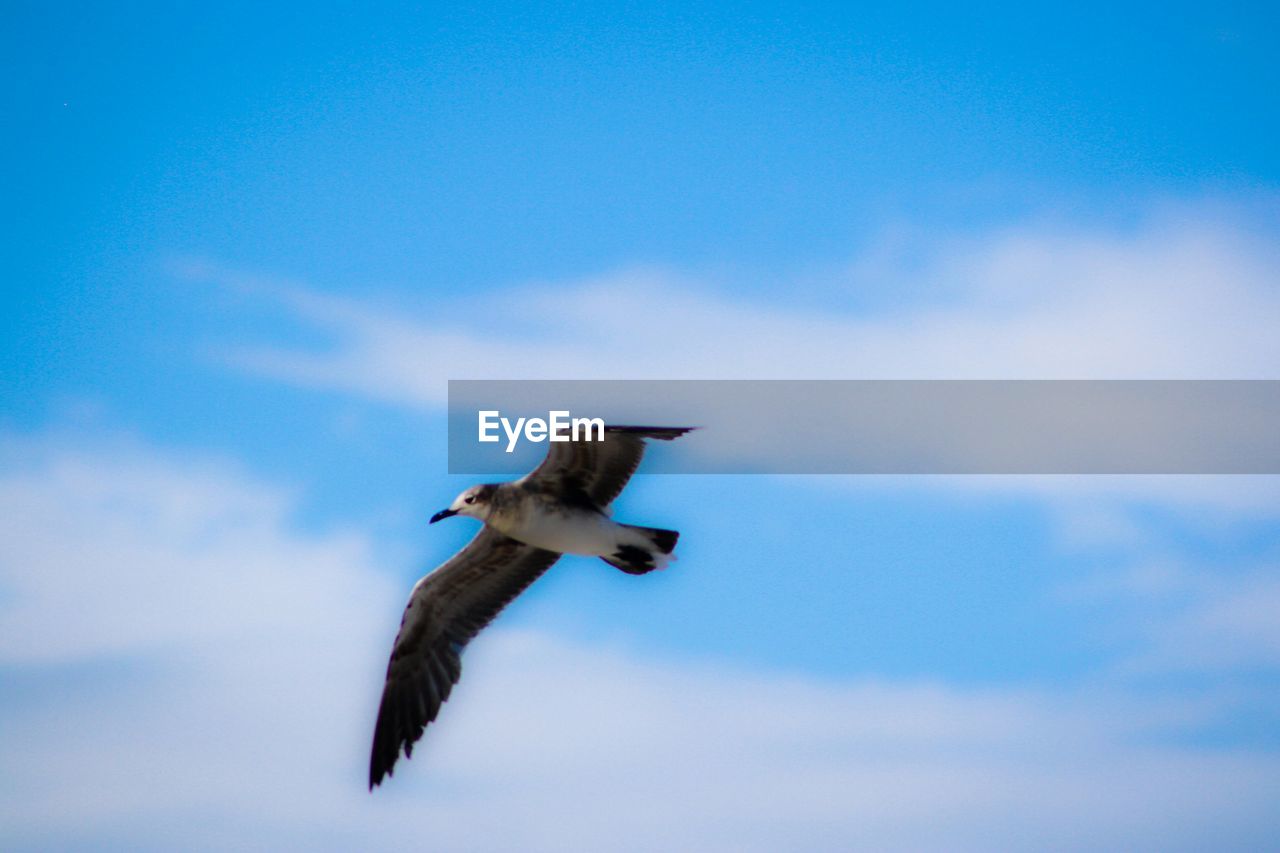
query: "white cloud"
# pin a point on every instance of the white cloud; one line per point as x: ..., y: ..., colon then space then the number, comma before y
x: 177, y: 550
x: 1190, y: 618
x: 191, y: 669
x: 1191, y: 294
x: 693, y: 758
x: 1102, y: 509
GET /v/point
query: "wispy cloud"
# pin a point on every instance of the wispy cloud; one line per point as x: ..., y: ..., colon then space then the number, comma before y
x: 1185, y: 295
x: 133, y: 552
x: 1189, y: 618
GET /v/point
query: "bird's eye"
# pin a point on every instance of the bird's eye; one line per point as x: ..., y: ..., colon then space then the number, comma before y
x: 469, y: 500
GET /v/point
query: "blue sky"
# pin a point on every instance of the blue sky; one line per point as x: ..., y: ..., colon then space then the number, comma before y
x: 247, y: 247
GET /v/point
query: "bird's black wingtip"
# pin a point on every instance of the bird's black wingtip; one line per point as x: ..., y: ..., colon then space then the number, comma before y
x: 376, y: 776
x: 662, y: 433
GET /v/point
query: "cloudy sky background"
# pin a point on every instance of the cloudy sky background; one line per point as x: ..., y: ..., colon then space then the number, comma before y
x: 246, y: 248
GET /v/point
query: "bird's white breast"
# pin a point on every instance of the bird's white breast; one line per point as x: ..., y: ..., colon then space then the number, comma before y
x: 568, y: 532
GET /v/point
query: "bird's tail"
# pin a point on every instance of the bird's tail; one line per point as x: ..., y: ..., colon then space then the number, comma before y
x: 638, y: 559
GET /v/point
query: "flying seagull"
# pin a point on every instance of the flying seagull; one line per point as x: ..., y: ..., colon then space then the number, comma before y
x: 561, y: 507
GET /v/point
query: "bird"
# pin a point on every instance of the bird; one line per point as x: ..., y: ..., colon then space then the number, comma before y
x: 561, y: 507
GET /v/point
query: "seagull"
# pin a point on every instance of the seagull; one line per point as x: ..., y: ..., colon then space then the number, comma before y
x: 561, y: 507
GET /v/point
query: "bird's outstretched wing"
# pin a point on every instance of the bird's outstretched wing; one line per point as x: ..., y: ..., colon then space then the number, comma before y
x: 446, y: 609
x: 596, y: 470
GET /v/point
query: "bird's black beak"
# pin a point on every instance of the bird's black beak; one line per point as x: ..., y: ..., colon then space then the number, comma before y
x: 444, y: 513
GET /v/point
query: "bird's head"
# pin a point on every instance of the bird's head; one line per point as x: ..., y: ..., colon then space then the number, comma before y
x: 475, y: 502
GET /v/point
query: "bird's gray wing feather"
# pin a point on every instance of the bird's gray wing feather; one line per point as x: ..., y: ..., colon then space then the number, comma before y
x: 446, y: 609
x: 596, y: 471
